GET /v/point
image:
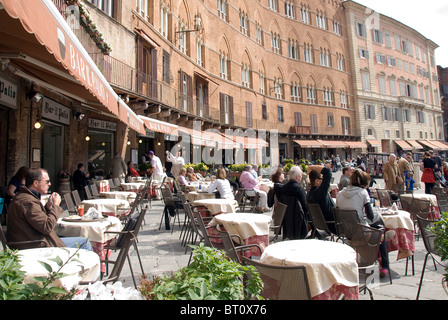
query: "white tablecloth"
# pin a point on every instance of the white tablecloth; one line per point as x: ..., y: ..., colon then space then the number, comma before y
x: 327, y: 263
x: 123, y: 195
x: 394, y: 219
x: 94, y: 231
x: 101, y: 185
x: 431, y: 197
x: 85, y: 266
x: 243, y: 224
x: 132, y: 186
x: 106, y: 206
x: 194, y: 195
x: 216, y: 206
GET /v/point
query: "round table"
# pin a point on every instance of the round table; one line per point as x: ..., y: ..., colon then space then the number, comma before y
x: 94, y: 231
x: 107, y: 207
x: 404, y: 239
x: 84, y: 266
x: 123, y: 195
x: 331, y: 267
x: 195, y: 195
x: 217, y: 206
x: 252, y: 228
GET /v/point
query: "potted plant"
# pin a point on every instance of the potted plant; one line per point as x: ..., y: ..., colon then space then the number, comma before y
x: 143, y: 168
x: 210, y: 276
x: 64, y: 176
x: 236, y: 169
x: 440, y: 230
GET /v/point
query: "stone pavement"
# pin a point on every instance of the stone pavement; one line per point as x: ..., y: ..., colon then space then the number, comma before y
x: 162, y: 252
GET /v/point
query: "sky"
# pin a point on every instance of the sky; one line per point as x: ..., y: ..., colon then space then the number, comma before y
x: 426, y: 17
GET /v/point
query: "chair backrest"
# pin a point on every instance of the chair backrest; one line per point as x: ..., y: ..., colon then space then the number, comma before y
x: 3, y: 238
x: 76, y: 197
x: 442, y: 201
x: 127, y: 240
x: 343, y: 218
x: 117, y: 182
x: 111, y: 183
x: 384, y: 197
x: 94, y: 190
x: 88, y: 192
x: 239, y: 196
x: 365, y: 241
x: 279, y: 213
x: 228, y: 244
x: 405, y: 202
x: 133, y: 225
x: 167, y: 196
x: 317, y: 217
x: 427, y: 235
x: 420, y: 207
x: 282, y: 282
x: 69, y: 202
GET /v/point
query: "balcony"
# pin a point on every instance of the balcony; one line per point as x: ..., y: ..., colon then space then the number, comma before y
x: 300, y: 130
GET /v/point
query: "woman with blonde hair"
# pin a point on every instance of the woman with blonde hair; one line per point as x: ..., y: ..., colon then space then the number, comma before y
x: 222, y: 185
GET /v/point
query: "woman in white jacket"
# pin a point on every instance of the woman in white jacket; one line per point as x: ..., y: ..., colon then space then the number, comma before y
x: 356, y: 197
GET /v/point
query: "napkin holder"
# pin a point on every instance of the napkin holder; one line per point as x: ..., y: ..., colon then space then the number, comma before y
x: 92, y: 214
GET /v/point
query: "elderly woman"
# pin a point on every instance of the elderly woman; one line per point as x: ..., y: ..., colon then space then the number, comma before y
x: 292, y: 194
x: 222, y: 185
x: 390, y: 172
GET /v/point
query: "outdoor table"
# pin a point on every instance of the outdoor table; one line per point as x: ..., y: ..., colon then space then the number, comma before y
x: 84, y: 266
x: 435, y: 212
x: 136, y: 179
x: 404, y: 239
x: 252, y: 228
x: 217, y: 206
x: 195, y: 195
x: 132, y: 186
x: 101, y: 185
x: 194, y: 186
x: 93, y: 230
x: 123, y: 195
x: 331, y: 267
x: 107, y: 207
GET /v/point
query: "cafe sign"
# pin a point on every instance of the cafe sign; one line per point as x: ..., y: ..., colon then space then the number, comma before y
x: 8, y: 93
x: 101, y: 124
x: 55, y: 111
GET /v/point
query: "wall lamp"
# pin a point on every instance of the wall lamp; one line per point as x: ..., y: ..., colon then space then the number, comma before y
x: 79, y: 116
x: 197, y: 24
x: 35, y: 96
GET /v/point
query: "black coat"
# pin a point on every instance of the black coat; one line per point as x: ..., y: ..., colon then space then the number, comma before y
x: 295, y: 221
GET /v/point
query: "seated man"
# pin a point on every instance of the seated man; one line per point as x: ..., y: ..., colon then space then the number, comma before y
x: 320, y: 179
x: 248, y: 182
x: 29, y: 220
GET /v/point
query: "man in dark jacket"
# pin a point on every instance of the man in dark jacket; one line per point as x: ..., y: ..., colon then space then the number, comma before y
x: 292, y: 194
x: 80, y: 181
x: 320, y: 179
x: 30, y: 220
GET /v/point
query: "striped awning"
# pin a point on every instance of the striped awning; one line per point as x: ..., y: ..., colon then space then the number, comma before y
x: 403, y: 144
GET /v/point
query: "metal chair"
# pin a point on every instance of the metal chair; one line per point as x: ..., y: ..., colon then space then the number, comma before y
x: 171, y: 209
x: 428, y: 240
x: 282, y: 282
x: 318, y: 220
x: 384, y: 198
x: 277, y: 219
x: 234, y: 252
x: 70, y: 204
x: 76, y: 197
x: 88, y: 193
x: 366, y: 242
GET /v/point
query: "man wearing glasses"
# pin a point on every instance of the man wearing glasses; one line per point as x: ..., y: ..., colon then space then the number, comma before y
x: 29, y: 219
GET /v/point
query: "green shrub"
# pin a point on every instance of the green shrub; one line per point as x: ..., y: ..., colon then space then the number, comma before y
x: 211, y: 276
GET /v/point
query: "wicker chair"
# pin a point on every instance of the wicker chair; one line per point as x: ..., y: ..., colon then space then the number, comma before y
x: 366, y: 242
x: 282, y: 282
x: 277, y: 219
x: 428, y: 240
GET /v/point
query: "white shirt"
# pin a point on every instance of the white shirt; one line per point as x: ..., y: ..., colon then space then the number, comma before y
x: 223, y: 187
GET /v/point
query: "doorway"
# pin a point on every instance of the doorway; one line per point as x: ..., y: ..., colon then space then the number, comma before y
x: 52, y: 152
